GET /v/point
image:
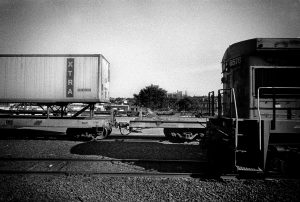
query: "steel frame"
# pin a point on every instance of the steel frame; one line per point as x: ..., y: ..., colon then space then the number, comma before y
x: 201, y: 123
x: 11, y: 120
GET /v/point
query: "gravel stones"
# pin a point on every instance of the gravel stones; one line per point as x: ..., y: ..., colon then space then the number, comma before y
x: 96, y: 188
x: 36, y: 187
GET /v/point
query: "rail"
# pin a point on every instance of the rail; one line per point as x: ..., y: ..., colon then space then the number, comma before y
x: 133, y: 167
x: 274, y: 107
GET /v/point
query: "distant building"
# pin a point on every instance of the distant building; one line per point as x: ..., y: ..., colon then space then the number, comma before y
x: 177, y: 95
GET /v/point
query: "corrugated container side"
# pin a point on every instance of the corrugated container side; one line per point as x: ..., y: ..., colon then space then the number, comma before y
x: 57, y: 78
x: 105, y: 78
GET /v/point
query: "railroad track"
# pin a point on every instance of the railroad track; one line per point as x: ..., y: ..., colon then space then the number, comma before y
x: 125, y: 168
x: 103, y: 167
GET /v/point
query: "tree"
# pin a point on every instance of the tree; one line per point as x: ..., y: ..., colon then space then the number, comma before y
x: 172, y: 103
x: 185, y: 104
x: 152, y: 97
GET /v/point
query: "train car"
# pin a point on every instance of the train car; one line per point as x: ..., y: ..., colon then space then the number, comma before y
x: 175, y: 128
x: 49, y: 84
x: 257, y: 129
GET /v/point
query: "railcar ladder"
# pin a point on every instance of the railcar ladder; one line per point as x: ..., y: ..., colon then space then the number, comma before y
x: 246, y: 153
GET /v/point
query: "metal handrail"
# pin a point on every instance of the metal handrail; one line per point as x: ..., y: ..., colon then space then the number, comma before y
x: 211, y: 106
x: 258, y: 106
x: 237, y: 118
x: 232, y: 93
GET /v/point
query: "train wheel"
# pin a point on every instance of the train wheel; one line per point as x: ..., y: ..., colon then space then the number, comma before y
x: 188, y: 135
x: 100, y: 134
x: 109, y: 130
x: 182, y: 135
x: 172, y: 134
x: 124, y: 128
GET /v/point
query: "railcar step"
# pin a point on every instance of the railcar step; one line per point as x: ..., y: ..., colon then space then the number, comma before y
x: 248, y: 169
x: 241, y: 151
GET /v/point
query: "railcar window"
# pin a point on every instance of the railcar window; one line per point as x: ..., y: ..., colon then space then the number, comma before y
x: 277, y: 77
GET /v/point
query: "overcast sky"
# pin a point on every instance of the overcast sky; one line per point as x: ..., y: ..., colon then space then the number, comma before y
x: 177, y: 45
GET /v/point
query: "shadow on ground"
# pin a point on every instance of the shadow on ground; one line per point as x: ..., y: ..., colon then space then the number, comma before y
x: 147, y: 151
x: 31, y: 134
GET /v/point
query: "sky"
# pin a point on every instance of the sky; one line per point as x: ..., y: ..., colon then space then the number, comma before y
x: 177, y: 45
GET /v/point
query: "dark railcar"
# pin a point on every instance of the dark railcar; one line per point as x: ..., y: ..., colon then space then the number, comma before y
x: 258, y: 123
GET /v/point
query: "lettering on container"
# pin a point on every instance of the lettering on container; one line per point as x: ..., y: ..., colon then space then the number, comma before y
x: 70, y: 77
x: 84, y: 89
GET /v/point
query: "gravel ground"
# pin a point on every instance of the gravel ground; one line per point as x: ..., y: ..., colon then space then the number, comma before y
x: 98, y: 150
x: 34, y: 187
x: 95, y: 188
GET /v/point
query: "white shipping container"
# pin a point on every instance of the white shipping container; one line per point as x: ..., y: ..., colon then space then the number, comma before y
x: 54, y: 78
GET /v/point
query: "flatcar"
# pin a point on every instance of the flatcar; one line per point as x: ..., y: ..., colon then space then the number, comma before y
x: 257, y: 127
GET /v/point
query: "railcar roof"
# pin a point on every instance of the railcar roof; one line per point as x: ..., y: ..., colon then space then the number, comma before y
x: 260, y: 44
x: 54, y: 55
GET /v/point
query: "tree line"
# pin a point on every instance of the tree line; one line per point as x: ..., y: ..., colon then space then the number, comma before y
x: 156, y: 98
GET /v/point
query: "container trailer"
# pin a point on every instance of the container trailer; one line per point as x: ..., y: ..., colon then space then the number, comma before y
x: 52, y: 83
x: 54, y: 78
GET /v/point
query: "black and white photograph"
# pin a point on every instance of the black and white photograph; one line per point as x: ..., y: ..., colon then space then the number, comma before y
x: 149, y: 100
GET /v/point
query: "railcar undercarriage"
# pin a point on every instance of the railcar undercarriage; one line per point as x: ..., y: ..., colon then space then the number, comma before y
x: 178, y: 129
x: 79, y: 123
